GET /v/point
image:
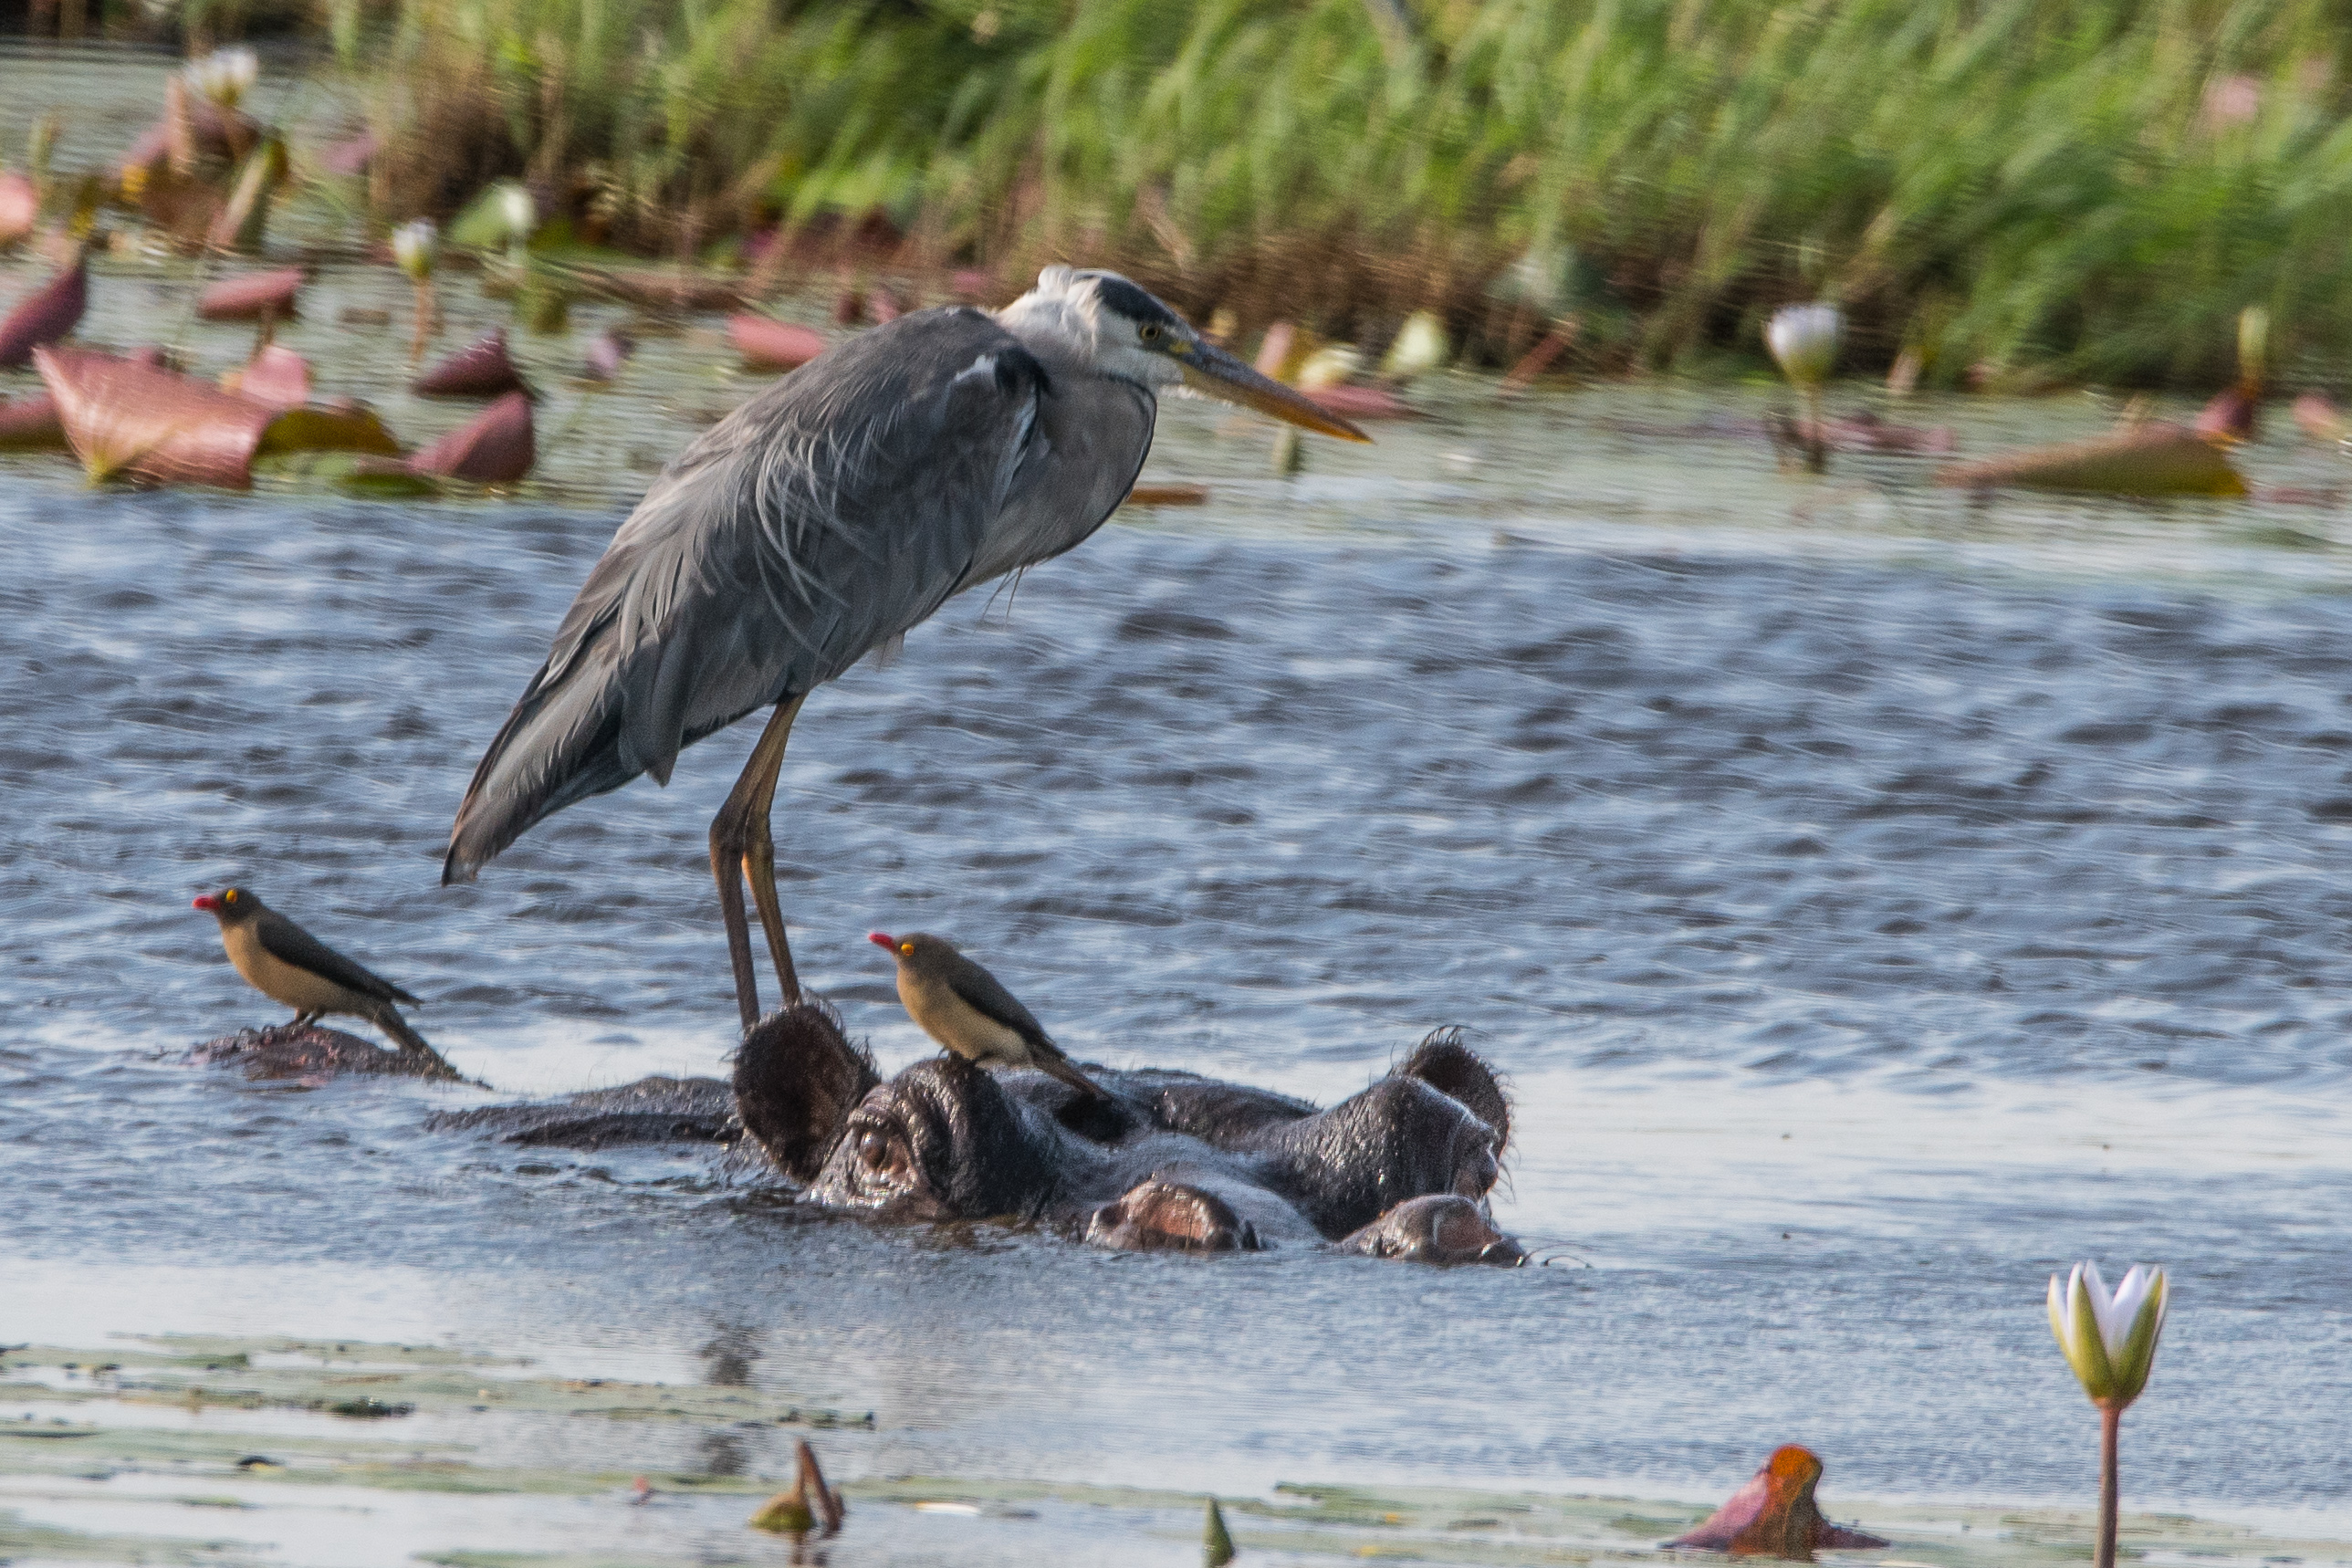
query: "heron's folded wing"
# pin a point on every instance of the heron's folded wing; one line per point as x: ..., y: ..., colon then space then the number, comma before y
x: 816, y: 522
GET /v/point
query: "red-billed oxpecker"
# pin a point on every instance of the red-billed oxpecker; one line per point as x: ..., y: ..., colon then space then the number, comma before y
x: 969, y: 1011
x: 822, y: 521
x: 295, y: 969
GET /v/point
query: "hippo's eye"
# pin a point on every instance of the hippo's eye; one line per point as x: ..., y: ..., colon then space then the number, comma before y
x: 873, y: 1147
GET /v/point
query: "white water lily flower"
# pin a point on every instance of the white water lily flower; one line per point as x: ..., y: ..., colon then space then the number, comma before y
x: 520, y: 212
x: 224, y: 76
x: 2109, y: 1339
x: 1329, y: 366
x: 1420, y: 347
x: 415, y: 248
x: 1804, y: 340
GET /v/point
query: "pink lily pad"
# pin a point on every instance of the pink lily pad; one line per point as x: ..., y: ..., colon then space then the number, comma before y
x: 495, y: 447
x: 125, y: 418
x: 766, y: 343
x: 1362, y: 403
x: 20, y: 207
x: 481, y: 369
x: 31, y: 424
x: 251, y: 296
x: 44, y: 315
x: 277, y: 376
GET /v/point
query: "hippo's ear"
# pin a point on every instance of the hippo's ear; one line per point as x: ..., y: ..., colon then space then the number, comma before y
x: 797, y: 1078
x: 1451, y: 1067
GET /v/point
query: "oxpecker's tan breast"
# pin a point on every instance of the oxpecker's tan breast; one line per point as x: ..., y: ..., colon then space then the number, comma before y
x: 955, y: 1023
x: 282, y: 982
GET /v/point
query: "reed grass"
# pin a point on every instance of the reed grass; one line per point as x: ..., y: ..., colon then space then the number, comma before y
x: 2021, y: 187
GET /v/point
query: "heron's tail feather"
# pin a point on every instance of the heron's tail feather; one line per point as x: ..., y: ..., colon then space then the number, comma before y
x: 561, y: 744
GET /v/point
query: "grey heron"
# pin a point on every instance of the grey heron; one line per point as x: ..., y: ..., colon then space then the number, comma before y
x: 821, y: 519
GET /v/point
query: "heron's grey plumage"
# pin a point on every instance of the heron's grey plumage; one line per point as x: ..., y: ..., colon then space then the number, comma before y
x: 820, y: 520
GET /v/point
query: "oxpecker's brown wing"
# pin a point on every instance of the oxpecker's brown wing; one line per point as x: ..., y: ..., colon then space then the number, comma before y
x: 290, y: 944
x: 988, y: 997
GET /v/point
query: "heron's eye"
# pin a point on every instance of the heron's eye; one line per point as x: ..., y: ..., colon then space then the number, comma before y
x: 1150, y: 332
x: 906, y: 947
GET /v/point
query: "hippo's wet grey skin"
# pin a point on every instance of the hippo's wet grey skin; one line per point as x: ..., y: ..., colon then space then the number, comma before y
x: 1182, y: 1162
x: 650, y: 1110
x: 312, y: 1051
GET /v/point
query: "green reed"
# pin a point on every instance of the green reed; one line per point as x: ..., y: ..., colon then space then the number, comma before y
x: 2079, y: 190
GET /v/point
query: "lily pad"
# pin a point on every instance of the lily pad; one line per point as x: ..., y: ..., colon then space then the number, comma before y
x: 45, y: 315
x: 2150, y: 459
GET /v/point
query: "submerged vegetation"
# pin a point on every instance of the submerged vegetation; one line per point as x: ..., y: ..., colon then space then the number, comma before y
x: 2088, y: 190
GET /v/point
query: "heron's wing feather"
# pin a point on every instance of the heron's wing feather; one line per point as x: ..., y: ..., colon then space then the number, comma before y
x: 988, y: 996
x: 826, y: 516
x: 290, y: 944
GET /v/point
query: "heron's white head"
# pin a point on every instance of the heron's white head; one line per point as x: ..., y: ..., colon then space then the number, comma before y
x: 1117, y: 329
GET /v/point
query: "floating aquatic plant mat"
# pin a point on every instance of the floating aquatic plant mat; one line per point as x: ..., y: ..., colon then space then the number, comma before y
x: 228, y: 1452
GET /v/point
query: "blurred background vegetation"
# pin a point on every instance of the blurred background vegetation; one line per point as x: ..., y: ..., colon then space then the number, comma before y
x: 2008, y: 188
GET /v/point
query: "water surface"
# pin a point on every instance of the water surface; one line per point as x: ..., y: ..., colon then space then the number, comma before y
x: 1876, y: 899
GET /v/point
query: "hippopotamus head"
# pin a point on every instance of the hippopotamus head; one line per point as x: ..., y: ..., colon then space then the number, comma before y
x: 1166, y: 1162
x: 941, y: 1140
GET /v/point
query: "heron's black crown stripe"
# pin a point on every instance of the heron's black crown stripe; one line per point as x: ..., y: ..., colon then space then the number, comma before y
x: 1132, y: 302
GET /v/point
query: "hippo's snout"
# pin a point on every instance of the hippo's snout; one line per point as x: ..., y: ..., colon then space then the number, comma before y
x: 1171, y: 1217
x: 1444, y: 1228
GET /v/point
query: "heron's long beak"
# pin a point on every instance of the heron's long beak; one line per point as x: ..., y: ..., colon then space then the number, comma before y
x: 1209, y: 369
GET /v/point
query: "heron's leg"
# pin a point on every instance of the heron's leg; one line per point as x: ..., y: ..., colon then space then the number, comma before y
x: 741, y: 821
x: 760, y: 857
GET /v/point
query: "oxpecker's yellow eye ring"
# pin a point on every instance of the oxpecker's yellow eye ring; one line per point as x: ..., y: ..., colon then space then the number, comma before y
x: 229, y: 897
x: 908, y: 948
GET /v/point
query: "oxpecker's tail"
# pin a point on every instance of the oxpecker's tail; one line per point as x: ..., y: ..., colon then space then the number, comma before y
x: 408, y: 1039
x: 561, y: 744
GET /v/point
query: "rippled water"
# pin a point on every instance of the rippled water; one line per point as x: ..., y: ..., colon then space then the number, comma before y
x: 1874, y: 898
x: 1862, y: 937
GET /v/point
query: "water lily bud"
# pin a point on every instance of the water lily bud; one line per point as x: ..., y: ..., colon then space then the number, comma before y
x: 415, y: 248
x: 520, y: 212
x: 2109, y: 1340
x: 224, y: 76
x: 1804, y: 340
x: 1329, y: 366
x: 2254, y: 343
x: 1420, y: 347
